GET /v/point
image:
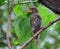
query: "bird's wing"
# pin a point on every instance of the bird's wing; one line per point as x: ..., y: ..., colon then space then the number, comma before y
x: 35, y: 21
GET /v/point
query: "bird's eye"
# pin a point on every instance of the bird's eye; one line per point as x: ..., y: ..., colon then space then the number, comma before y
x: 32, y: 8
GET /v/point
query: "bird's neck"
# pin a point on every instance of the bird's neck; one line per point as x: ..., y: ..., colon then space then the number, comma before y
x: 35, y: 13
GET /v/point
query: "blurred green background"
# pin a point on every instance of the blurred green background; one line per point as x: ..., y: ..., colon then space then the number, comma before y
x: 20, y: 30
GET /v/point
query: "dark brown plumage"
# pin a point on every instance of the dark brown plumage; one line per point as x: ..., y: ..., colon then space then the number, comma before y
x: 35, y: 23
x: 54, y: 5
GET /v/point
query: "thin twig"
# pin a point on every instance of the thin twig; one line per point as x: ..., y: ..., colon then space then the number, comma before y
x: 25, y: 2
x: 10, y: 6
x: 27, y: 42
x: 28, y: 2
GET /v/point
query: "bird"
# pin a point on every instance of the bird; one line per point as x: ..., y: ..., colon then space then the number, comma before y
x: 35, y: 23
x: 53, y: 5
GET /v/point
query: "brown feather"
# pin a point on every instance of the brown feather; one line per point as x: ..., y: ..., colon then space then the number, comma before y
x: 35, y: 23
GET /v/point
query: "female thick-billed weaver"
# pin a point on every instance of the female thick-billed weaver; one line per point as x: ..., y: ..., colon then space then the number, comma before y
x: 35, y: 22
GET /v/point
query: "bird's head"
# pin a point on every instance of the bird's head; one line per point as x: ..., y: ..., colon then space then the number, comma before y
x: 32, y: 10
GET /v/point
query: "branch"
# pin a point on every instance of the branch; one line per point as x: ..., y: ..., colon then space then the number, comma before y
x: 27, y: 42
x: 10, y: 6
x: 25, y: 2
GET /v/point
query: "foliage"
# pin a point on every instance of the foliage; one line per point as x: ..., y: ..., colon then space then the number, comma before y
x: 20, y: 30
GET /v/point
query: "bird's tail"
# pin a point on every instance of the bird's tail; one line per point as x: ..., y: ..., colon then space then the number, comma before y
x: 37, y: 41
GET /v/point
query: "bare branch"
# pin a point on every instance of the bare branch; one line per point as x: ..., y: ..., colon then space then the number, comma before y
x: 25, y: 2
x: 27, y: 42
x: 10, y: 6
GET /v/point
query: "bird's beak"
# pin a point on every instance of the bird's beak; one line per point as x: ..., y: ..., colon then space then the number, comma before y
x: 30, y: 11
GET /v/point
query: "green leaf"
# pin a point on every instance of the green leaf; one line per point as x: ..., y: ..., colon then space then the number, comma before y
x: 46, y: 15
x: 57, y: 27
